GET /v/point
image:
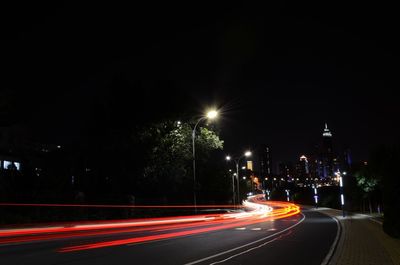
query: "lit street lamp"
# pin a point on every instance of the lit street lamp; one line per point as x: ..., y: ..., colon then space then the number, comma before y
x: 237, y: 161
x: 316, y: 196
x: 228, y: 158
x: 268, y: 193
x: 211, y: 115
x: 341, y: 190
x: 287, y: 195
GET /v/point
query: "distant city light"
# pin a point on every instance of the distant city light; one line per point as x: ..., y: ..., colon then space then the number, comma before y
x: 7, y: 164
x: 243, y: 167
x: 303, y: 158
x: 247, y: 153
x: 244, y: 178
x: 326, y: 132
x: 228, y: 158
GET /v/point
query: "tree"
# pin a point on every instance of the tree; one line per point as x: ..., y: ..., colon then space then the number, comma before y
x: 383, y: 165
x: 168, y: 157
x: 368, y: 183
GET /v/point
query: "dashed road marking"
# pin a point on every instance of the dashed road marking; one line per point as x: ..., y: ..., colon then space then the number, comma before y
x: 246, y: 245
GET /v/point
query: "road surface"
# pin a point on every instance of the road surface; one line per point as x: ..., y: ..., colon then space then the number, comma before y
x: 251, y: 237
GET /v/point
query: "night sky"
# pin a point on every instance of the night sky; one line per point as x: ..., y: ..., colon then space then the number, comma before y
x: 279, y: 72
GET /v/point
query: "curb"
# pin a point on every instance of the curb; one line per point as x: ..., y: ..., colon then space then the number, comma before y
x: 339, y: 238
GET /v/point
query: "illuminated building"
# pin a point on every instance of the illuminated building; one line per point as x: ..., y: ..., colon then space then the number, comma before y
x: 249, y: 165
x: 325, y: 164
x: 264, y: 166
x: 302, y: 169
x: 286, y: 171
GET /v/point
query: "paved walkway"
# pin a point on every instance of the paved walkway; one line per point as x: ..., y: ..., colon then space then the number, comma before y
x: 363, y: 241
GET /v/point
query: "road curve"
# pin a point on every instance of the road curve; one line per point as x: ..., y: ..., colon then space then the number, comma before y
x: 266, y: 233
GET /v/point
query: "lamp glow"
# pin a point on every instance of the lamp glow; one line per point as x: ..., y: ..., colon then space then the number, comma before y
x: 212, y: 114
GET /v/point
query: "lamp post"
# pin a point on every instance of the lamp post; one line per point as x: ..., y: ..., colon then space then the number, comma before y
x: 287, y: 195
x: 341, y: 190
x: 228, y: 158
x: 211, y: 115
x: 237, y: 161
x: 316, y: 196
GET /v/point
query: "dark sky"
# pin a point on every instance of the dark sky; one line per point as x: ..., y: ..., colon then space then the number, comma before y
x: 278, y: 71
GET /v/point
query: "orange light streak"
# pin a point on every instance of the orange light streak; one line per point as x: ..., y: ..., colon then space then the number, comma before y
x: 257, y: 210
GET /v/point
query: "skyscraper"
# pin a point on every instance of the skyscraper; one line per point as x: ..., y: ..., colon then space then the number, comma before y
x: 265, y: 162
x: 302, y: 168
x: 326, y: 156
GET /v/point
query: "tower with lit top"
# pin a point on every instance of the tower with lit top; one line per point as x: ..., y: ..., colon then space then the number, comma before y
x: 326, y: 159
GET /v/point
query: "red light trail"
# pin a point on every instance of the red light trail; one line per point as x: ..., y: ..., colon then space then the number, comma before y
x: 114, y: 206
x: 256, y: 211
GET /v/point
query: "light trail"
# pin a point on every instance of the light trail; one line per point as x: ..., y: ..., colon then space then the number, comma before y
x: 256, y: 211
x: 115, y: 206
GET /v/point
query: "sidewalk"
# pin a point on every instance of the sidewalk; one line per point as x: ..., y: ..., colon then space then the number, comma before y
x: 362, y: 241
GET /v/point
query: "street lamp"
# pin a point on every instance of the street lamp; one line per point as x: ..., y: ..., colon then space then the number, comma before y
x: 228, y: 158
x: 341, y: 190
x: 237, y: 161
x: 211, y: 115
x: 268, y: 193
x: 316, y: 196
x: 287, y: 195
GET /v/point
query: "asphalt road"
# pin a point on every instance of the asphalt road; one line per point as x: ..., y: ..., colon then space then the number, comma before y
x: 304, y: 238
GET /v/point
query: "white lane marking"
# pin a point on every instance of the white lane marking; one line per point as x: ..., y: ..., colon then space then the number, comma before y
x: 376, y: 221
x: 244, y: 252
x: 240, y: 228
x: 248, y: 244
x: 272, y: 229
x: 256, y: 229
x: 335, y: 242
